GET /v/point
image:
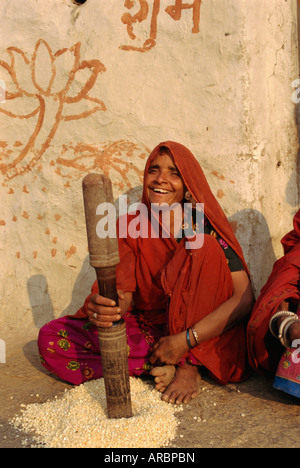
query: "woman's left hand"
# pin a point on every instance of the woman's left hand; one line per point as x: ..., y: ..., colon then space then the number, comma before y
x: 169, y: 349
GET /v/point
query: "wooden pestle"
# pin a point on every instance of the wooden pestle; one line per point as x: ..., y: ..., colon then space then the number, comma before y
x: 104, y: 257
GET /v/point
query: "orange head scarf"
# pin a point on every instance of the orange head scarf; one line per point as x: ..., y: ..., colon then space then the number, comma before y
x: 196, y: 183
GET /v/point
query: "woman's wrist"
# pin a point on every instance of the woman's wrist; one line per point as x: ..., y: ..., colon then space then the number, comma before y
x: 284, y: 325
x: 188, y: 339
x: 294, y: 332
x: 192, y: 338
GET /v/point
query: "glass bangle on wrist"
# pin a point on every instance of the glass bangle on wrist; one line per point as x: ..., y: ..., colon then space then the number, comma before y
x: 195, y: 335
x: 188, y: 338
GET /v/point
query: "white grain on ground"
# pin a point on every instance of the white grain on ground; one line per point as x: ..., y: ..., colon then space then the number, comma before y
x: 78, y: 419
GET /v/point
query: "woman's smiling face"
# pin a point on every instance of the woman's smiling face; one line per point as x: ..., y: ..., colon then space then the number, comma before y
x: 163, y: 182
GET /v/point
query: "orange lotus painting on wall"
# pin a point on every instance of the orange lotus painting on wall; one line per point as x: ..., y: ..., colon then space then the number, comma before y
x: 47, y: 88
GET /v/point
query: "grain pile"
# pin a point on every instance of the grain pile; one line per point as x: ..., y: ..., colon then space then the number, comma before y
x: 78, y: 419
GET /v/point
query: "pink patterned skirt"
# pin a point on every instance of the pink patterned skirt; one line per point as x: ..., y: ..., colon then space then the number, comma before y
x: 287, y: 377
x: 69, y: 347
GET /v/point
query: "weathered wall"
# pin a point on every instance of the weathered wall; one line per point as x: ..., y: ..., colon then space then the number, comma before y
x: 95, y: 87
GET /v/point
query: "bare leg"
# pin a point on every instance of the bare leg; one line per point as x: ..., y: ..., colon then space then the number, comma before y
x: 185, y: 386
x: 163, y: 376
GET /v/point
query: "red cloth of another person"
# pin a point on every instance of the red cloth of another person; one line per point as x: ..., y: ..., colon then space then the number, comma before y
x: 264, y: 351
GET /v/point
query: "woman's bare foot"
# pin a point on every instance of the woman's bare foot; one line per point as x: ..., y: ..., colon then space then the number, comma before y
x: 163, y: 376
x: 185, y: 386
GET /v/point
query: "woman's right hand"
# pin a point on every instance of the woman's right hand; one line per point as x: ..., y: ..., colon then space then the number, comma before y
x: 103, y: 312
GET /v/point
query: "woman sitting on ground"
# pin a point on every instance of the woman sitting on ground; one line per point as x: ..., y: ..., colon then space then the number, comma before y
x: 274, y: 326
x: 185, y: 304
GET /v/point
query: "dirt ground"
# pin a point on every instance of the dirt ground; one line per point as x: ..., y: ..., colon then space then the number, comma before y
x: 247, y: 415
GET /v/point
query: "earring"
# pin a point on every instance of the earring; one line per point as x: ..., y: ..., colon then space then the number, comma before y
x: 187, y: 195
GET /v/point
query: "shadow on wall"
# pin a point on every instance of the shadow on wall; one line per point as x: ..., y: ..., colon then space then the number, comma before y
x: 40, y: 300
x: 253, y: 233
x: 81, y: 288
x: 292, y: 190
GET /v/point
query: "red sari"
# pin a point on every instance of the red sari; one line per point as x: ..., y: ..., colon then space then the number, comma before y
x: 190, y: 282
x: 263, y: 349
x: 174, y: 287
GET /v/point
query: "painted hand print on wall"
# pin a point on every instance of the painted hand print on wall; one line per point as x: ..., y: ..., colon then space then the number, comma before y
x: 149, y: 11
x: 47, y: 88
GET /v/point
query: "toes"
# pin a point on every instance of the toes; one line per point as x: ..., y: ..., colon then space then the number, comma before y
x: 157, y: 371
x: 187, y: 398
x: 161, y: 389
x: 194, y: 395
x: 165, y: 397
x: 160, y: 386
x: 169, y: 397
x: 177, y: 397
x: 182, y: 398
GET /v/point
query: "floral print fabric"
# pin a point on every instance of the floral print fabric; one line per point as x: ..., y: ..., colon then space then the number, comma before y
x: 69, y: 347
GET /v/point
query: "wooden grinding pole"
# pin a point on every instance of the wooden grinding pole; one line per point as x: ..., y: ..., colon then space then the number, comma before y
x: 104, y: 257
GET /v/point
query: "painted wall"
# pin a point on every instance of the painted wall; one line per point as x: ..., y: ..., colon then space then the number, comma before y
x: 95, y: 87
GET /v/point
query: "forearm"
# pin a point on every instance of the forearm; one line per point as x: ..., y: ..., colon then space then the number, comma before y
x: 225, y: 317
x: 228, y: 314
